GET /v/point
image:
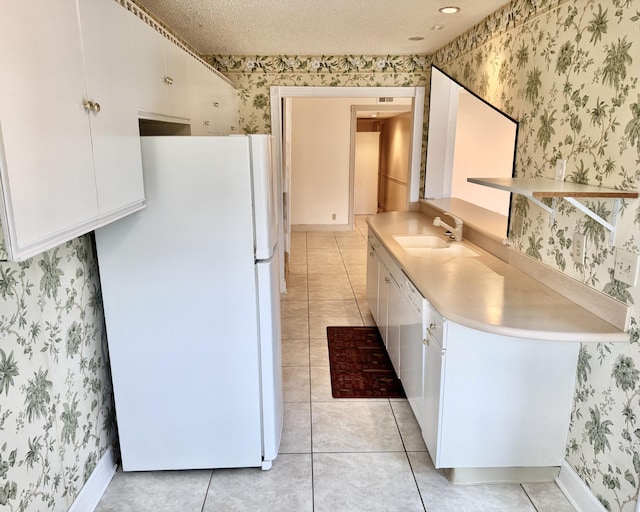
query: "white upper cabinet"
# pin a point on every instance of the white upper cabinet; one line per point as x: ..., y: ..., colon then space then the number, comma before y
x: 115, y: 134
x: 69, y: 157
x: 213, y: 102
x: 161, y: 72
x: 48, y: 184
x: 77, y: 74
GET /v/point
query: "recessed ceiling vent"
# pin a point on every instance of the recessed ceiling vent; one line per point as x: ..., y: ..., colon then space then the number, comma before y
x: 385, y: 100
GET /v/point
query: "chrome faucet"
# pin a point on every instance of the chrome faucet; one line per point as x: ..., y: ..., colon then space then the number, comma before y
x: 456, y: 232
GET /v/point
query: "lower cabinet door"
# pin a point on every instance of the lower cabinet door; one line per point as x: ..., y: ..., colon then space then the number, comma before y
x: 395, y: 312
x: 433, y: 398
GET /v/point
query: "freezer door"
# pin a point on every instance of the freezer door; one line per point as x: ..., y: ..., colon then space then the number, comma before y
x: 270, y: 357
x: 265, y: 195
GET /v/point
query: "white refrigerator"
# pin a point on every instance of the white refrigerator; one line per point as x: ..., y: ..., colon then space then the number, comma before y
x: 190, y: 286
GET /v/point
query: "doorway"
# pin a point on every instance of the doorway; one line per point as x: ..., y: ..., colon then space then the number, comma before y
x: 381, y: 157
x: 281, y: 125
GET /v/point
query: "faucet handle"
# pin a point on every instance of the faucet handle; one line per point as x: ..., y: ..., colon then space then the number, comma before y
x: 455, y: 219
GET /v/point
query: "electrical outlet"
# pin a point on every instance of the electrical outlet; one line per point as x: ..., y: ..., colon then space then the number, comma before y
x: 561, y: 166
x: 579, y: 247
x: 333, y: 216
x: 625, y: 268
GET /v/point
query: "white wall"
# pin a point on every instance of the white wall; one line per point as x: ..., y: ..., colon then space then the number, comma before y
x: 320, y: 143
x: 484, y: 148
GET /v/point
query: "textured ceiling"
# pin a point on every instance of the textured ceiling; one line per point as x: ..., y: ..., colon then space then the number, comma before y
x: 317, y: 27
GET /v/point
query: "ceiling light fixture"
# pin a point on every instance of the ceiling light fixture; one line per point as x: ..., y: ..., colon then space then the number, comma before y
x: 450, y: 9
x: 416, y: 38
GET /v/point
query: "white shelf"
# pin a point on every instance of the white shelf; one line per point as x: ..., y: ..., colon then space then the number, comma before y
x: 537, y: 188
x: 545, y: 187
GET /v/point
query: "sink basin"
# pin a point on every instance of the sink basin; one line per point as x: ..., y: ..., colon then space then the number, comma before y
x: 421, y: 241
x: 430, y: 245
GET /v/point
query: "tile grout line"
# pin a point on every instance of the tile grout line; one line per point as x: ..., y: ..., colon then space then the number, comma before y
x: 306, y: 254
x: 406, y: 453
x: 206, y: 493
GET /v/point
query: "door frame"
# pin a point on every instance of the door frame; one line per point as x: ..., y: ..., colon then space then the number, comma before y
x: 279, y: 92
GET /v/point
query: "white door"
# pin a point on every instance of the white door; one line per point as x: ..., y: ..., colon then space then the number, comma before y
x: 367, y: 153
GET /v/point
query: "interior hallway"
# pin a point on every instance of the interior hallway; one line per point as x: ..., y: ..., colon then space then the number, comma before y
x: 337, y: 455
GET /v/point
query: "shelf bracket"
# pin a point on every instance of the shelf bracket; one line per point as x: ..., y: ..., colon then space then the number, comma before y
x: 609, y: 226
x: 550, y: 210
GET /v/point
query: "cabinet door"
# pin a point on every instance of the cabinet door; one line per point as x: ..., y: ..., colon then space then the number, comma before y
x: 412, y: 357
x: 226, y: 106
x: 433, y: 387
x: 115, y: 135
x: 48, y: 183
x: 372, y: 281
x: 177, y: 72
x: 395, y: 311
x: 384, y: 285
x: 150, y: 70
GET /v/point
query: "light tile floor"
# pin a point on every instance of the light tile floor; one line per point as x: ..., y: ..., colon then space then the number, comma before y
x: 336, y: 455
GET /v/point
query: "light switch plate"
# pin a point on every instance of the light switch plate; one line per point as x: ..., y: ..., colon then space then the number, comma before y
x: 625, y: 268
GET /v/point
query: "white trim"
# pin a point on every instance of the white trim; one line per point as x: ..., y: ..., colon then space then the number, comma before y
x: 320, y: 227
x: 90, y: 494
x: 413, y: 189
x: 576, y: 491
x: 345, y: 92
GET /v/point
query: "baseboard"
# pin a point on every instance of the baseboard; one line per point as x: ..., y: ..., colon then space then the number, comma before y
x: 90, y: 494
x: 476, y: 476
x: 320, y: 227
x: 576, y: 491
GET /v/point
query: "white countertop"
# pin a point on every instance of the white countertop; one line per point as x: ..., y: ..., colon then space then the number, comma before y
x: 485, y: 293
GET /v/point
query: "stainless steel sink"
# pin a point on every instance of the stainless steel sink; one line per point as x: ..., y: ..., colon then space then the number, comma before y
x: 430, y: 245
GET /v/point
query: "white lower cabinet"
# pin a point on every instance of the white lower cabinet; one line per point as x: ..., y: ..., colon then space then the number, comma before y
x: 396, y: 311
x: 496, y: 401
x: 372, y: 278
x: 482, y: 400
x: 412, y: 348
x: 384, y: 289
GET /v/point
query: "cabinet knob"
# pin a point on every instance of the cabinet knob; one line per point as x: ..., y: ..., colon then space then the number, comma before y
x: 168, y: 80
x: 233, y: 128
x: 387, y: 280
x: 207, y: 123
x: 371, y: 254
x: 215, y: 104
x: 425, y: 341
x: 91, y: 106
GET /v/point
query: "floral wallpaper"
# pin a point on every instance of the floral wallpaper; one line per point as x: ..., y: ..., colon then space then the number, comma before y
x: 253, y: 76
x: 56, y: 412
x: 568, y: 71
